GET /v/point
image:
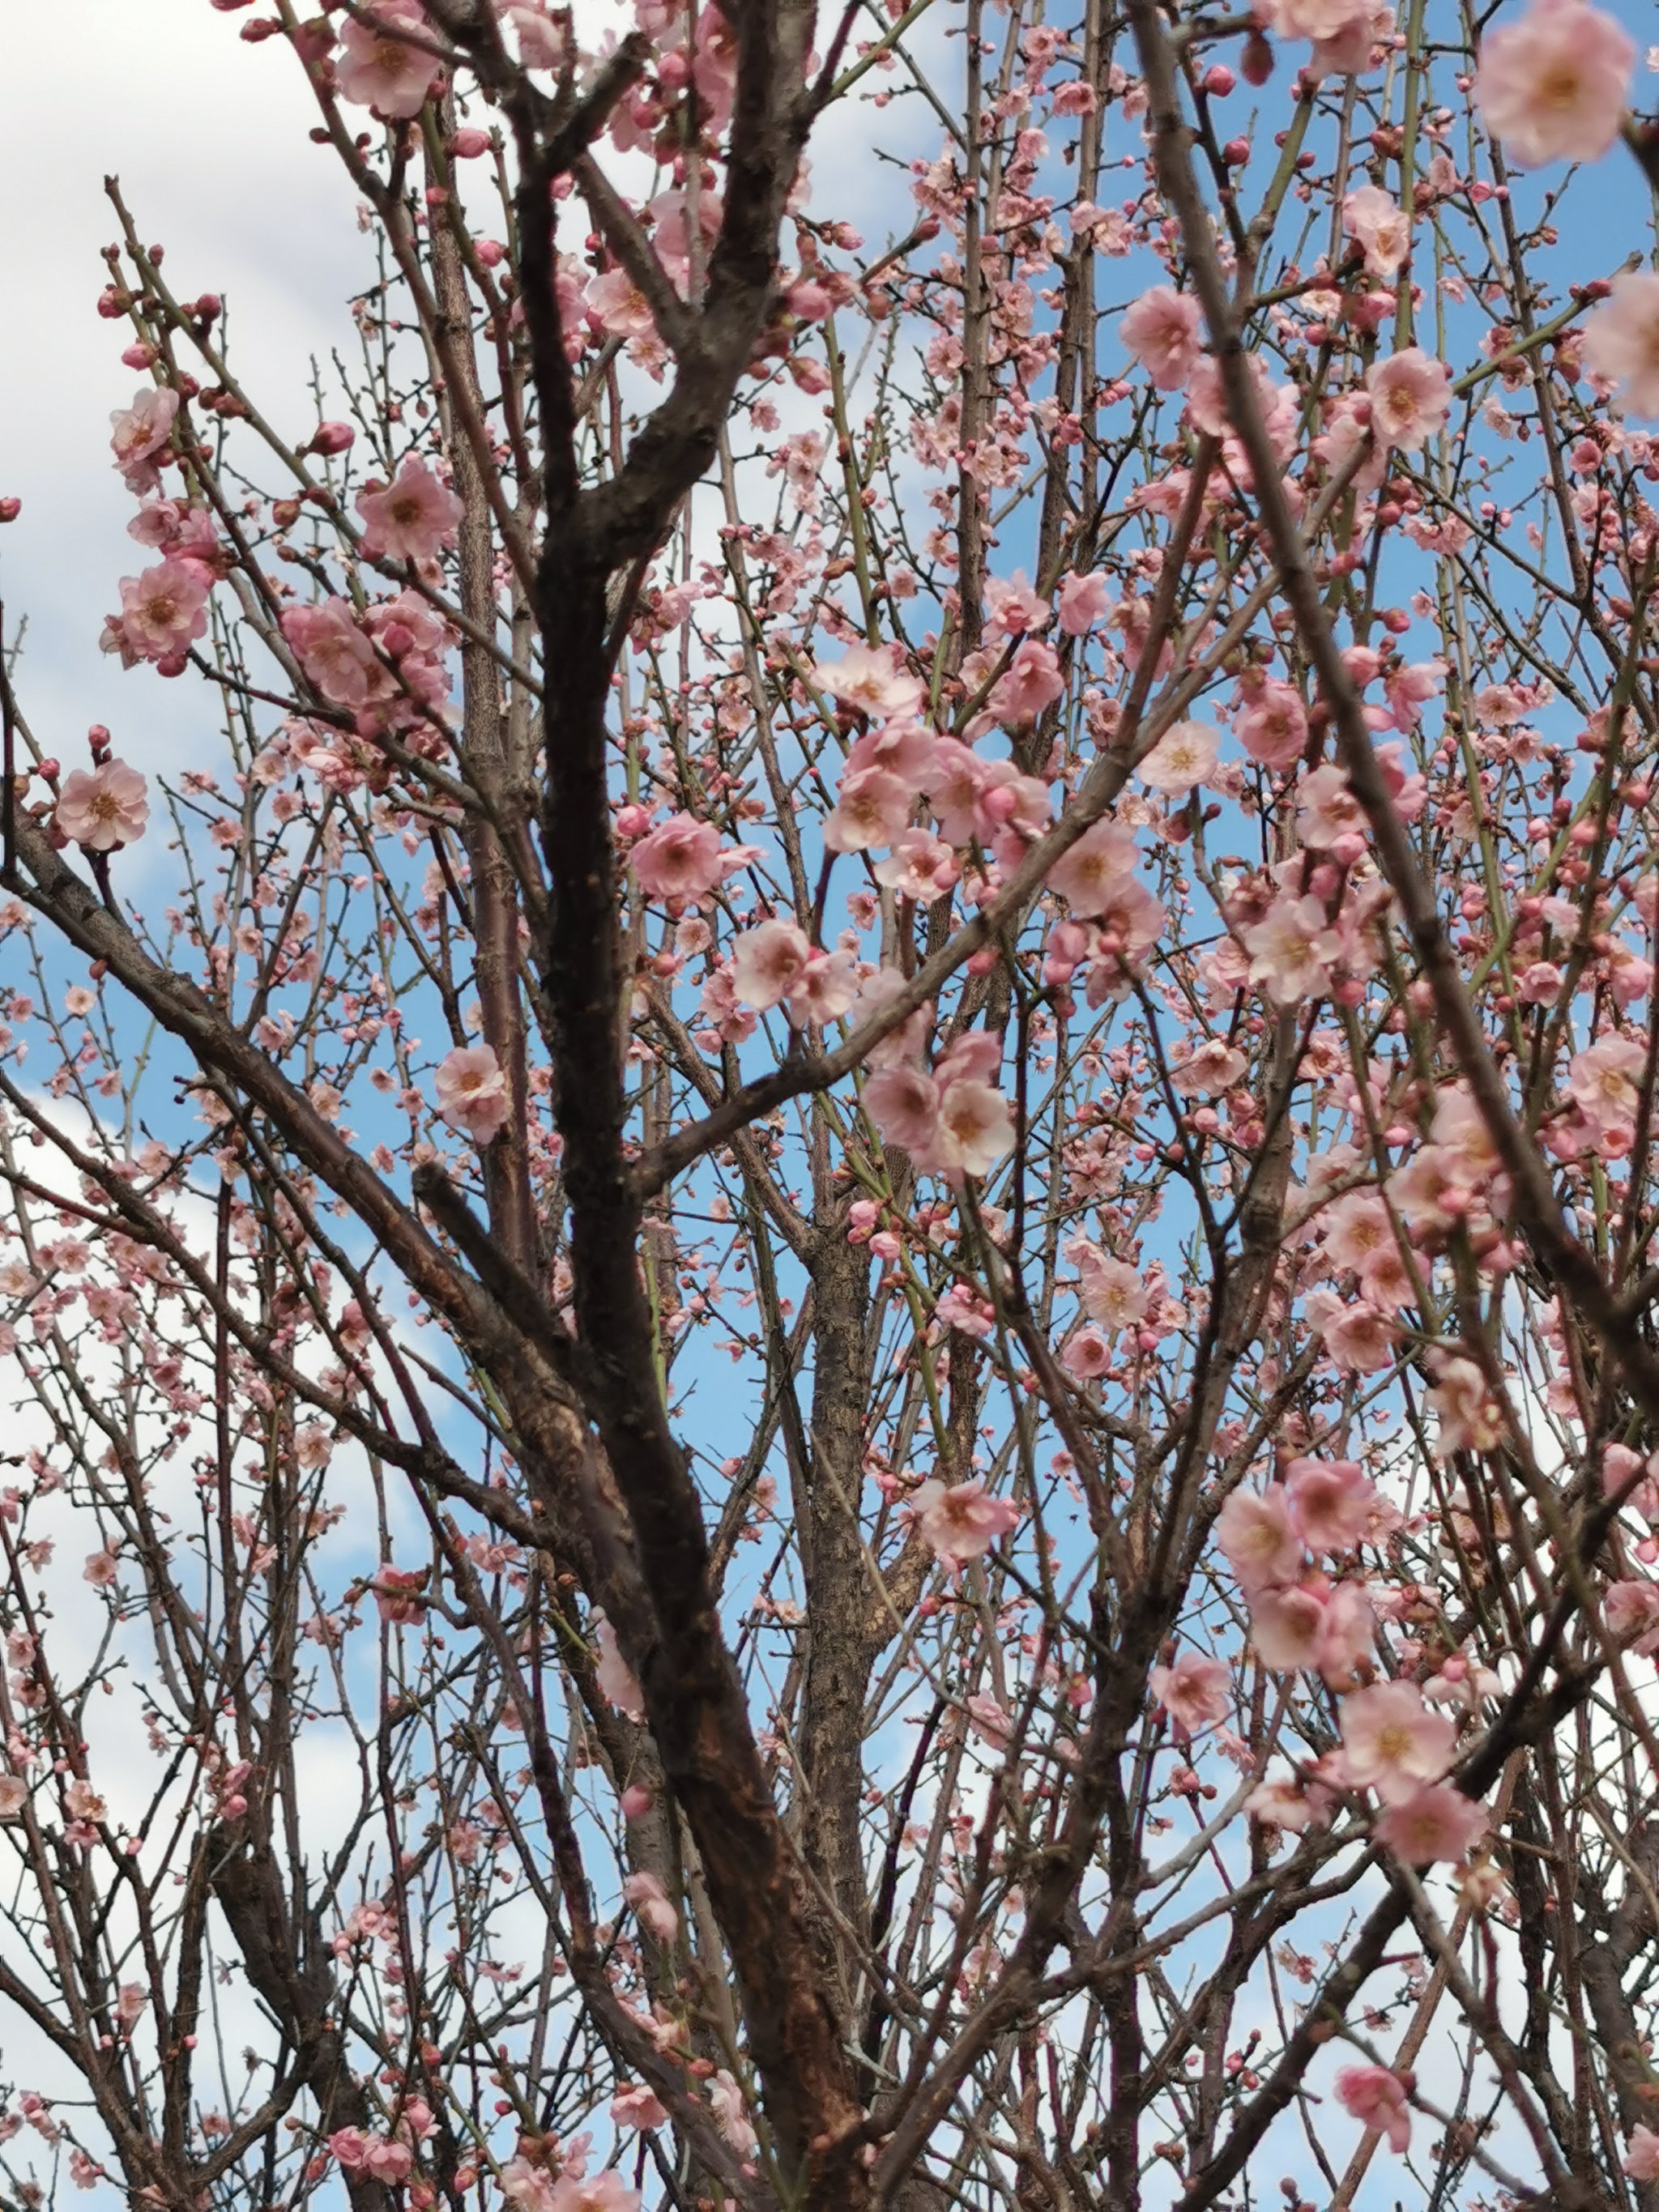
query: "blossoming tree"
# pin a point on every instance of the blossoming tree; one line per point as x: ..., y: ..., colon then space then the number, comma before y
x: 827, y: 1260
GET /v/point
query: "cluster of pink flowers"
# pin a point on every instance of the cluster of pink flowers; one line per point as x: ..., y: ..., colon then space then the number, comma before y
x: 953, y: 1120
x: 473, y: 1095
x: 385, y: 667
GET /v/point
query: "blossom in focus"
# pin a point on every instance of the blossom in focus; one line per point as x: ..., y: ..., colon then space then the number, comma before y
x: 141, y: 432
x: 681, y: 858
x: 472, y: 1093
x: 1194, y: 1690
x: 1391, y: 1741
x: 633, y: 2106
x: 1436, y: 1822
x: 1377, y: 2097
x: 1259, y: 1537
x: 960, y: 1521
x: 411, y: 518
x: 377, y: 68
x: 1164, y: 330
x: 105, y: 808
x: 1182, y: 759
x: 1380, y: 227
x: 1411, y: 397
x: 1553, y: 87
x: 162, y: 612
x: 1620, y: 342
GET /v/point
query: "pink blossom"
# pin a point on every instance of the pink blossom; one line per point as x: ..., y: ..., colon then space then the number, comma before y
x: 646, y: 1894
x: 473, y: 1092
x: 1641, y: 2160
x: 1113, y: 1294
x: 959, y: 1521
x: 1392, y: 1743
x: 1333, y: 1501
x: 919, y: 867
x: 1553, y: 87
x: 1471, y: 1419
x: 1082, y: 603
x: 1377, y: 2098
x: 105, y: 809
x: 141, y: 432
x: 633, y: 2106
x: 872, y: 807
x: 1411, y: 397
x: 1164, y: 330
x: 14, y: 1796
x: 336, y: 655
x: 1292, y: 951
x: 410, y: 519
x: 1319, y: 20
x: 162, y: 612
x: 1620, y: 342
x: 767, y: 961
x: 1031, y: 681
x: 1380, y: 226
x: 1090, y: 876
x: 1193, y: 1691
x: 1604, y: 1082
x: 680, y: 859
x: 869, y: 679
x: 975, y: 1128
x: 378, y: 69
x: 1259, y: 1537
x: 1183, y: 758
x: 1272, y: 724
x: 1435, y: 1822
x: 730, y: 2115
x: 612, y: 1672
x: 1012, y: 607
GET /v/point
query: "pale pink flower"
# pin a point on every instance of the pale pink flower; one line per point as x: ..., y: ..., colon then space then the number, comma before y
x: 1411, y: 397
x: 83, y: 1802
x: 1287, y: 1626
x: 975, y: 1128
x: 1435, y: 1822
x: 1641, y: 2160
x: 1333, y: 1501
x: 1182, y: 759
x: 622, y: 309
x: 903, y: 1104
x: 1082, y: 603
x: 596, y: 2192
x: 101, y: 1570
x: 1031, y: 681
x: 1380, y: 226
x: 1327, y: 815
x: 959, y: 1521
x: 1319, y: 20
x: 612, y: 1672
x: 377, y: 68
x: 1193, y: 1691
x: 767, y: 961
x: 1553, y: 87
x: 106, y: 808
x: 1292, y: 951
x: 1090, y: 875
x: 411, y: 518
x: 868, y: 678
x: 1210, y: 1070
x: 473, y: 1092
x: 919, y: 867
x: 1259, y: 1537
x: 163, y: 611
x: 1377, y: 2098
x: 336, y: 655
x: 872, y: 807
x: 1113, y: 1294
x: 141, y: 432
x: 1272, y: 724
x: 633, y: 2106
x: 1392, y: 1742
x: 1631, y: 1610
x: 646, y: 1896
x: 730, y: 2115
x: 1604, y: 1082
x: 14, y: 1796
x: 1284, y: 1803
x: 1620, y: 342
x: 1164, y: 330
x: 1471, y: 1419
x: 825, y: 987
x: 1011, y: 606
x: 679, y: 858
